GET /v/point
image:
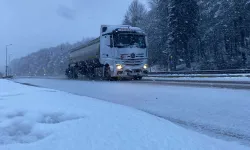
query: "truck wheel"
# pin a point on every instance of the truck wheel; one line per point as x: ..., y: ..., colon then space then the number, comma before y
x: 72, y: 74
x: 114, y: 78
x: 69, y: 73
x: 138, y: 78
x: 91, y: 73
x: 91, y: 76
x: 75, y: 75
x: 107, y: 73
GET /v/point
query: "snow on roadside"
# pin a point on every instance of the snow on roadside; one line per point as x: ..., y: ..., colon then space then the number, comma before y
x: 39, y: 118
x: 203, y: 75
x: 169, y: 78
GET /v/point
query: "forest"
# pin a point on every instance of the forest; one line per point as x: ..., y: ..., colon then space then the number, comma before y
x: 182, y: 35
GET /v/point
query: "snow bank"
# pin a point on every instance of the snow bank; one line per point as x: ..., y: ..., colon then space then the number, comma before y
x: 169, y: 78
x: 43, y: 119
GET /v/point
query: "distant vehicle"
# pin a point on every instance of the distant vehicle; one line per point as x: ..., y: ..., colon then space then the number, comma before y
x: 119, y: 52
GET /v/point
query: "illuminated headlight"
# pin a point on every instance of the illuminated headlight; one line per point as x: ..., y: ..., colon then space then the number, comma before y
x: 145, y: 66
x: 119, y: 67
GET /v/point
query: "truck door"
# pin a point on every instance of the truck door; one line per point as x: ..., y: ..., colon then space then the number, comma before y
x: 106, y: 47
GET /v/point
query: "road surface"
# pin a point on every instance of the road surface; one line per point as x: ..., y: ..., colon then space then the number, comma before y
x: 222, y: 113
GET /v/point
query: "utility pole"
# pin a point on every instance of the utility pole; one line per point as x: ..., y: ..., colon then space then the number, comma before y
x: 6, y: 69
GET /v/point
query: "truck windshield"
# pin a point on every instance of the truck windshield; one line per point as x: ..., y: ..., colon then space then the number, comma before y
x: 125, y: 40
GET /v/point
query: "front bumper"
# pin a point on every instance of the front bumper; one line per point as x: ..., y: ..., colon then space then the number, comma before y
x: 130, y: 71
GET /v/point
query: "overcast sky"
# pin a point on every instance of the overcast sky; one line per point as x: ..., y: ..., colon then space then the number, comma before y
x: 34, y: 24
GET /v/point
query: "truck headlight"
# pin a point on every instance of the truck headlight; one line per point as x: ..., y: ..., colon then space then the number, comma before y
x: 119, y: 67
x: 145, y: 66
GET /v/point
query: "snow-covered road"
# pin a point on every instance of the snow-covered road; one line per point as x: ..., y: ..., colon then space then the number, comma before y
x: 223, y: 113
x: 45, y: 119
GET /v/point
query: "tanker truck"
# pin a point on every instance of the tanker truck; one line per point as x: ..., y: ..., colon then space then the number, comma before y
x: 119, y: 52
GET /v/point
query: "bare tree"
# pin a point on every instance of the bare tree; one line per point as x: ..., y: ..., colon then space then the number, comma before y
x: 154, y: 3
x: 135, y: 14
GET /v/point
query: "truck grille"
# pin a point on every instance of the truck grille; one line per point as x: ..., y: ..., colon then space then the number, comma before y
x: 133, y: 62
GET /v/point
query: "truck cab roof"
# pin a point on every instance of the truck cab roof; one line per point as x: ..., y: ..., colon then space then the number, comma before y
x: 107, y: 29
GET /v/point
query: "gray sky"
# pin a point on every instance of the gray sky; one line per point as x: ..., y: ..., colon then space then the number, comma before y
x: 34, y: 24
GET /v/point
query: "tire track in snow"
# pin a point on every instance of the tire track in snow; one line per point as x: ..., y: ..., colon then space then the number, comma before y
x: 207, y: 129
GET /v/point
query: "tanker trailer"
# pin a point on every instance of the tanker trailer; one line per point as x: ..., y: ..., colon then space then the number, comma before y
x: 119, y: 52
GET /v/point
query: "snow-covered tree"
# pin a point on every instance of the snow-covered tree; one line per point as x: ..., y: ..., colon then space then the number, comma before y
x: 135, y: 14
x: 182, y: 22
x: 156, y: 31
x: 48, y: 61
x: 213, y: 34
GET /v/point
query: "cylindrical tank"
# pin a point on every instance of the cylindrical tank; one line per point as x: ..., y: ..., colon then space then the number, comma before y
x: 86, y: 52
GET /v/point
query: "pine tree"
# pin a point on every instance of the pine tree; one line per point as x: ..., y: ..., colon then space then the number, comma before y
x: 173, y: 35
x: 158, y: 31
x: 183, y: 22
x: 240, y: 28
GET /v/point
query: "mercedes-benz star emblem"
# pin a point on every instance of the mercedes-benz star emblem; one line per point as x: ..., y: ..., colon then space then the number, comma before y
x: 133, y: 55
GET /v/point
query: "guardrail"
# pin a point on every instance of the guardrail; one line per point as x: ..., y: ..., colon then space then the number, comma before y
x: 7, y: 77
x: 229, y: 71
x: 196, y: 73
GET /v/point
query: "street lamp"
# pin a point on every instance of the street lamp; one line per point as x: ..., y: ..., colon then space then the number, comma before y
x: 6, y: 69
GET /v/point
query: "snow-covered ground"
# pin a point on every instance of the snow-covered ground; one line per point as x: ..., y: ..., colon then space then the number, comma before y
x: 34, y: 118
x: 222, y: 113
x: 200, y: 75
x: 200, y: 78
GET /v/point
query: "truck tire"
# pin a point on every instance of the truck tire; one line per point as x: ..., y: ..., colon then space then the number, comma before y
x: 137, y: 77
x: 114, y: 79
x: 69, y: 73
x: 107, y: 73
x: 72, y: 74
x: 90, y: 73
x: 75, y: 75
